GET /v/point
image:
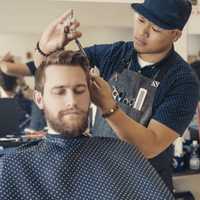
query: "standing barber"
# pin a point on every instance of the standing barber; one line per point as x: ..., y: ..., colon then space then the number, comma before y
x: 154, y: 89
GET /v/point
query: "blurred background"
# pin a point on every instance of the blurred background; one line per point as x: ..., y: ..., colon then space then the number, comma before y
x: 102, y: 21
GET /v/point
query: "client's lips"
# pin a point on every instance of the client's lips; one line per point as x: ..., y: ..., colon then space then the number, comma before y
x: 72, y: 112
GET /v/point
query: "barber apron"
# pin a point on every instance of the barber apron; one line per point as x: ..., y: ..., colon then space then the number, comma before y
x: 135, y: 94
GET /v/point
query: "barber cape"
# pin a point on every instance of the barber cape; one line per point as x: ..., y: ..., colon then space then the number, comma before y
x: 79, y: 168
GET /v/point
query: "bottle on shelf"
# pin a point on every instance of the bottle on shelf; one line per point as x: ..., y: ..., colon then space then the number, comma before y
x: 194, y: 159
x: 178, y: 161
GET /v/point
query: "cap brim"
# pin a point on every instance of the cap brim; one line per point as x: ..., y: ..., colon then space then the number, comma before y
x: 139, y: 8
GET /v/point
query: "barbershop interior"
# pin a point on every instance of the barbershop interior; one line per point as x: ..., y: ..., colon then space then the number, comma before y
x: 144, y: 79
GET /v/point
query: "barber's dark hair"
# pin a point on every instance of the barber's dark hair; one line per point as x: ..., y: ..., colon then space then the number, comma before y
x: 8, y: 83
x: 62, y: 57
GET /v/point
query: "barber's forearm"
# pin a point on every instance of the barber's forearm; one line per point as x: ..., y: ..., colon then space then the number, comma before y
x: 134, y: 133
x: 15, y: 69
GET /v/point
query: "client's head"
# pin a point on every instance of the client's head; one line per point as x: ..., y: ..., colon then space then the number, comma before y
x: 62, y: 92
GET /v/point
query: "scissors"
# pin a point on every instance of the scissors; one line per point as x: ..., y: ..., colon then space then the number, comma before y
x: 80, y: 47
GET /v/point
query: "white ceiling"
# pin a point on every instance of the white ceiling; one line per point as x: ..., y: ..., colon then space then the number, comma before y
x: 26, y: 16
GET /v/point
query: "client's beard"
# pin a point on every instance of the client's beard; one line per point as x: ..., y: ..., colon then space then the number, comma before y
x: 65, y: 128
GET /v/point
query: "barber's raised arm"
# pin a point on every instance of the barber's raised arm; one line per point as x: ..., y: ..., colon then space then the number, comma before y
x: 58, y: 34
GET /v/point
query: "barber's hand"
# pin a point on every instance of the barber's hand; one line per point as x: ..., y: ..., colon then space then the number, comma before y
x: 101, y: 93
x: 59, y: 33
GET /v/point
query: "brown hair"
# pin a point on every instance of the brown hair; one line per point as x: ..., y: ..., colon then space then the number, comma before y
x: 72, y: 58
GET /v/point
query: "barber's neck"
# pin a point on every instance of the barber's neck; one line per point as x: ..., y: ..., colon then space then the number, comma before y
x: 154, y: 57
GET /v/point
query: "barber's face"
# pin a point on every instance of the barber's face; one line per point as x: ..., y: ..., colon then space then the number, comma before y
x: 66, y: 99
x: 149, y: 38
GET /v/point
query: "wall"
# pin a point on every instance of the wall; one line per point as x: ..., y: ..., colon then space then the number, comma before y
x: 181, y: 46
x: 18, y: 44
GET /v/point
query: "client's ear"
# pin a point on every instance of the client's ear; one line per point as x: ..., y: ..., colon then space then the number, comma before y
x: 38, y: 99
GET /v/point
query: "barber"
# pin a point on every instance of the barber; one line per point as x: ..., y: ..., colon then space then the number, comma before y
x: 150, y: 93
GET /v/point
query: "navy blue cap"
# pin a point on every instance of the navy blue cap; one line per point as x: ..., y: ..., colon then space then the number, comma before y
x: 167, y: 14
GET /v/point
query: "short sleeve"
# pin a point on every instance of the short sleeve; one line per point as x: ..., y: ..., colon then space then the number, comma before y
x: 179, y: 105
x: 107, y: 57
x: 31, y: 66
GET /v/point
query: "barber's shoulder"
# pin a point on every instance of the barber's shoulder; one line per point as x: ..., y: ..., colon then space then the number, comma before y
x: 108, y: 46
x: 180, y: 70
x: 181, y: 65
x: 122, y: 45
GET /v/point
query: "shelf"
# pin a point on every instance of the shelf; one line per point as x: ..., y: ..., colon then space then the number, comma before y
x: 186, y: 173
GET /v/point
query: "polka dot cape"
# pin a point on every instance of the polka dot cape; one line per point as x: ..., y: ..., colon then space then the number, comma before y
x: 79, y: 169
